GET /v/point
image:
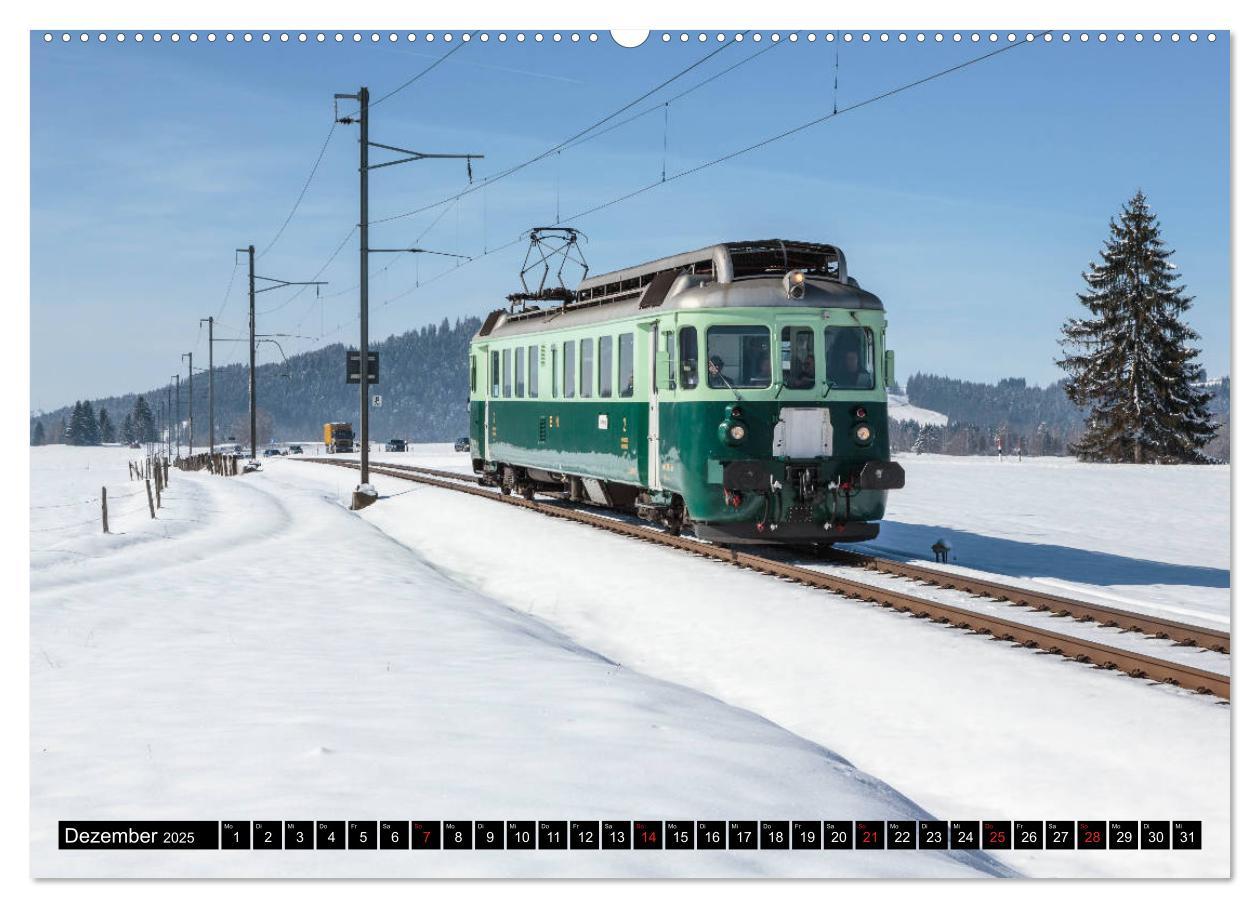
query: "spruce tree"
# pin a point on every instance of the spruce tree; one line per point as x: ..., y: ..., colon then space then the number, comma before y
x: 37, y: 432
x: 128, y: 429
x: 1131, y: 362
x: 106, y: 427
x: 142, y: 419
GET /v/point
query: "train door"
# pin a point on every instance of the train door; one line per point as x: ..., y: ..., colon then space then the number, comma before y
x: 492, y: 391
x: 654, y: 410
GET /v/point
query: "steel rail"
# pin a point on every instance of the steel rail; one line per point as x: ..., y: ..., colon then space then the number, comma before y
x: 1062, y: 606
x: 1102, y: 655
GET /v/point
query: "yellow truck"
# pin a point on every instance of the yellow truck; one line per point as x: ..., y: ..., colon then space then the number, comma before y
x: 338, y: 437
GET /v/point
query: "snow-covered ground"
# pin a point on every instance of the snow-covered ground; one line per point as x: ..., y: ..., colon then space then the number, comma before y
x: 268, y: 654
x: 280, y: 657
x: 900, y: 409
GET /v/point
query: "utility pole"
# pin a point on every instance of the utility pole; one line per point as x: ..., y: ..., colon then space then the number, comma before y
x: 190, y: 402
x: 211, y: 403
x: 276, y: 284
x: 168, y: 414
x: 178, y: 422
x: 365, y: 495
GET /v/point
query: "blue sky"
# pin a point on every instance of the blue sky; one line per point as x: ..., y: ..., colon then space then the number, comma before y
x: 970, y: 204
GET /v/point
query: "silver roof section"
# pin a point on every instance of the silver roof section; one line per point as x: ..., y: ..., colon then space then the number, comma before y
x: 688, y: 292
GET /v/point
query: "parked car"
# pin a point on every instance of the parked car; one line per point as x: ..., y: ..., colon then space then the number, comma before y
x: 134, y: 444
x: 295, y: 449
x: 395, y: 444
x: 271, y: 452
x: 462, y: 444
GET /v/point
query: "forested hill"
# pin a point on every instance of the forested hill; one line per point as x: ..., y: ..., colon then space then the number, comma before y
x: 423, y: 386
x: 1011, y: 403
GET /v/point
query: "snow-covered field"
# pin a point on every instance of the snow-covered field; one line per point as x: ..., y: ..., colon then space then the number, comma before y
x: 279, y: 657
x: 900, y: 408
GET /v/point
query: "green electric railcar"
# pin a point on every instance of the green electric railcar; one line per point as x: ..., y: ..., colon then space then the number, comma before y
x: 738, y: 390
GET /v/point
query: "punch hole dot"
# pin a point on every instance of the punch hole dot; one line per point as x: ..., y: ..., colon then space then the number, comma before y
x: 1084, y: 37
x: 739, y: 37
x: 575, y: 37
x: 357, y: 37
x: 775, y: 37
x: 594, y: 37
x: 47, y: 37
x: 884, y: 37
x: 83, y: 37
x: 684, y: 37
x: 229, y: 37
x: 1139, y: 37
x: 248, y: 38
x: 1194, y: 37
x: 429, y: 36
x: 138, y: 37
x: 721, y: 36
x: 484, y: 37
x: 266, y: 37
x: 1157, y: 37
x: 1102, y: 37
x: 702, y: 37
x: 831, y: 37
x: 212, y: 37
x: 339, y: 37
x: 1120, y: 37
x: 466, y: 37
x: 811, y: 37
x: 502, y: 37
x: 1211, y: 37
x: 993, y: 37
x: 1065, y: 37
x: 157, y: 36
x: 848, y: 38
x: 301, y: 37
x: 866, y: 37
x: 957, y: 37
x: 1175, y: 37
x: 920, y: 37
x: 538, y: 36
x: 974, y: 37
x: 284, y: 37
x: 1047, y: 37
x: 65, y: 36
x: 902, y: 37
x: 757, y: 37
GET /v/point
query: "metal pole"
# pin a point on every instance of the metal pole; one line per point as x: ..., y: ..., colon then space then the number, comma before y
x: 178, y: 421
x: 363, y: 286
x: 167, y: 420
x: 190, y: 406
x: 253, y: 400
x: 211, y: 402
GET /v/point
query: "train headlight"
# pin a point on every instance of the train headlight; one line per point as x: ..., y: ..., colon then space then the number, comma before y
x: 794, y: 284
x: 862, y: 433
x: 738, y: 432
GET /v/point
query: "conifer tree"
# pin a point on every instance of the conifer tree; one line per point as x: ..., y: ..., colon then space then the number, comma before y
x: 143, y: 421
x: 128, y: 429
x: 1132, y: 361
x: 106, y: 427
x: 37, y: 432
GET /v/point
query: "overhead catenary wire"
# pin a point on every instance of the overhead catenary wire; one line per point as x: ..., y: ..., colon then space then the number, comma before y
x: 301, y: 195
x: 503, y: 174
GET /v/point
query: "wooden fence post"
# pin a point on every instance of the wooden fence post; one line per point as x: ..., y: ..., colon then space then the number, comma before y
x: 148, y: 490
x: 104, y: 512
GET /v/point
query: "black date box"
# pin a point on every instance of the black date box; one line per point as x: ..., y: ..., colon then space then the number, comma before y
x: 394, y: 834
x: 742, y: 834
x: 522, y: 834
x: 838, y: 834
x: 900, y: 835
x: 995, y: 834
x: 1060, y: 835
x: 488, y: 834
x: 1029, y: 835
x: 933, y: 835
x: 806, y: 834
x: 711, y: 834
x: 584, y: 834
x: 234, y: 834
x: 1091, y: 835
x: 649, y: 834
x: 266, y: 834
x: 457, y: 835
x: 774, y: 834
x: 614, y: 834
x: 330, y: 834
x: 680, y: 834
x: 426, y: 835
x: 1187, y: 834
x: 1122, y: 835
x: 964, y: 835
x: 1155, y: 834
x: 299, y: 834
x: 361, y: 835
x: 869, y: 834
x: 554, y: 835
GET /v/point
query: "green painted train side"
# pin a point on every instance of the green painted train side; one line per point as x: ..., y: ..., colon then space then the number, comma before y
x: 606, y: 438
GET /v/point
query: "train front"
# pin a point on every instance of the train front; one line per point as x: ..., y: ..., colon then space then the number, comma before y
x: 793, y: 435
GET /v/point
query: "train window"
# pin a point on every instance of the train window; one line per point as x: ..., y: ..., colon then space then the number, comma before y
x: 850, y: 354
x: 605, y: 366
x: 688, y: 356
x: 472, y: 374
x: 533, y: 371
x: 625, y: 364
x: 570, y: 366
x: 588, y: 365
x: 494, y: 373
x: 796, y: 357
x: 520, y: 372
x: 738, y: 356
x: 669, y: 354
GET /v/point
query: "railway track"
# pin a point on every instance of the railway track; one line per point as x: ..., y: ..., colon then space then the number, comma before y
x: 1001, y: 627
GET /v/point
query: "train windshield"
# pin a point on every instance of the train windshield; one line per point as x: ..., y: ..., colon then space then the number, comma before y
x: 850, y: 358
x: 738, y: 356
